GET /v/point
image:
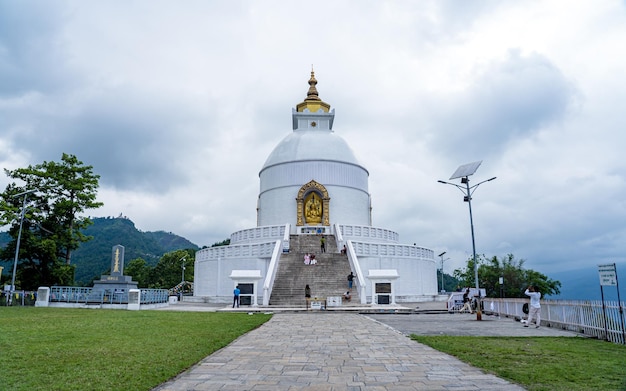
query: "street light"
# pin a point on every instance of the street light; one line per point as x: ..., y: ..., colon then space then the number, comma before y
x: 464, y: 172
x: 442, y: 261
x: 183, y: 267
x: 17, y: 244
x: 182, y: 282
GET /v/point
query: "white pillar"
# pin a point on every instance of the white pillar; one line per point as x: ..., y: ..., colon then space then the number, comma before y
x: 43, y: 297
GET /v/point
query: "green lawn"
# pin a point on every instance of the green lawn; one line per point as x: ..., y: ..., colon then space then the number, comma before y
x: 541, y: 363
x: 86, y: 349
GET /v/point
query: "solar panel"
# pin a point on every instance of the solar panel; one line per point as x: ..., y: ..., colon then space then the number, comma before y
x: 466, y: 170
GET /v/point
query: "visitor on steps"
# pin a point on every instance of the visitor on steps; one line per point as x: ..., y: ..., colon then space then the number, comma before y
x: 347, y: 296
x: 307, y: 259
x: 323, y: 244
x: 307, y: 292
x: 350, y: 280
x: 344, y: 250
x: 313, y: 260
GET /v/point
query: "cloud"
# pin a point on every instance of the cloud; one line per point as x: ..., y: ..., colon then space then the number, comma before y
x: 508, y: 101
x: 177, y: 109
x: 32, y: 58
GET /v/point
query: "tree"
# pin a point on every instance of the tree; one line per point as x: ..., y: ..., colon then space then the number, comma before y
x: 515, y: 277
x: 140, y: 271
x: 224, y: 242
x: 168, y: 272
x: 52, y: 225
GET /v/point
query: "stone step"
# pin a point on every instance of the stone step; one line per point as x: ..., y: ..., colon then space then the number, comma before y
x: 326, y: 278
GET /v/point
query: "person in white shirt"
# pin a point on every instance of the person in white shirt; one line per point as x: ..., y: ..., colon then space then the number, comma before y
x: 347, y: 296
x: 534, y: 309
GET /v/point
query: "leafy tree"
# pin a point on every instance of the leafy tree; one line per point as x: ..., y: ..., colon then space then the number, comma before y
x: 515, y: 277
x: 450, y: 283
x: 52, y: 225
x: 168, y: 272
x: 140, y: 271
x: 224, y: 242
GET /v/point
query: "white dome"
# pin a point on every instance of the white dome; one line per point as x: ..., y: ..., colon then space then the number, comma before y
x: 311, y: 145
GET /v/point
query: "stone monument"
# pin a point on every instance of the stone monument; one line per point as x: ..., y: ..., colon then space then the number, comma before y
x: 117, y: 281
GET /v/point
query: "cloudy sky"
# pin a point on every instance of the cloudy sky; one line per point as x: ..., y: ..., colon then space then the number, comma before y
x: 177, y: 105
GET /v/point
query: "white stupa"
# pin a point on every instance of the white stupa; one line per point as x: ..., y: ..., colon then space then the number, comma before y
x: 312, y: 184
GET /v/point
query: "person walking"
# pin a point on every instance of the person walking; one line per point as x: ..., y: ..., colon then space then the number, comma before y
x: 236, y: 294
x: 350, y: 280
x: 534, y: 309
x: 467, y: 301
x: 307, y: 292
x: 323, y: 244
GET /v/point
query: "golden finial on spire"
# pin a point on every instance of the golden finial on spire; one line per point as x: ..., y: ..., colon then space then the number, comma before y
x: 312, y: 94
x: 312, y: 100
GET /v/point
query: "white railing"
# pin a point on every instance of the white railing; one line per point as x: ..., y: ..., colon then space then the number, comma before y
x: 392, y: 250
x: 265, y: 233
x: 587, y: 317
x: 236, y: 250
x: 354, y: 262
x: 268, y: 284
x: 365, y: 231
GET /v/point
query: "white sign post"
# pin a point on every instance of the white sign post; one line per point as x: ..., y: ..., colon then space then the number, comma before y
x: 608, y: 277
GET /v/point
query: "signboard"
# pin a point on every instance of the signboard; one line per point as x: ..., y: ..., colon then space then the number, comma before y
x: 608, y: 274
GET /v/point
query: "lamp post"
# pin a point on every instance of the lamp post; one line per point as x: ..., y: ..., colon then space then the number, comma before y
x: 464, y: 172
x: 183, y: 267
x: 442, y: 261
x: 501, y: 281
x: 17, y: 244
x: 182, y: 281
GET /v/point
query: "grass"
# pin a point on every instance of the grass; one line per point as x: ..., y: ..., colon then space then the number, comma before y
x: 83, y: 349
x: 541, y: 363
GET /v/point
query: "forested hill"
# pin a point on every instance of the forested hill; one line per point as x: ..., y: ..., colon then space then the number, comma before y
x: 93, y: 258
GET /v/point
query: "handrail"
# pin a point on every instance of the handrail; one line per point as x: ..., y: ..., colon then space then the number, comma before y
x: 268, y: 284
x: 354, y: 263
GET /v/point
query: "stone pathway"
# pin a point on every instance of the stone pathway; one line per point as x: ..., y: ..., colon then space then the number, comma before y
x: 331, y: 351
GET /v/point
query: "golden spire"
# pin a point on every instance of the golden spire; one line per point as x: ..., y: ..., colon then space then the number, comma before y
x: 312, y: 100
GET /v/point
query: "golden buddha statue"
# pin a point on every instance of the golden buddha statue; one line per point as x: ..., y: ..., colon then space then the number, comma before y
x: 313, y: 209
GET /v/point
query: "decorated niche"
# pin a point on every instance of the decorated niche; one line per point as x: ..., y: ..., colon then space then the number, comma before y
x: 312, y: 205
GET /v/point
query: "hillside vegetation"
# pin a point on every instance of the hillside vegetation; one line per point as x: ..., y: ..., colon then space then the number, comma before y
x: 93, y: 258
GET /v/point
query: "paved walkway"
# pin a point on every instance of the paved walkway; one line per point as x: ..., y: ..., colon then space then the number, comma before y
x: 347, y: 351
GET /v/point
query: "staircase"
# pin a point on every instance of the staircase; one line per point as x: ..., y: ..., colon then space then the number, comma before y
x: 326, y: 278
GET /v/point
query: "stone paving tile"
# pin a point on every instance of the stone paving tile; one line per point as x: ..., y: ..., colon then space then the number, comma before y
x: 346, y: 351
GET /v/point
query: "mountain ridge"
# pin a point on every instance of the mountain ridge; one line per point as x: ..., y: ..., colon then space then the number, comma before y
x: 93, y: 258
